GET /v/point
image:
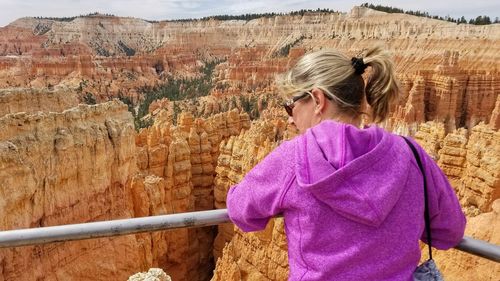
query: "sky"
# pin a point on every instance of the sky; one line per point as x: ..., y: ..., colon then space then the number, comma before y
x: 11, y: 10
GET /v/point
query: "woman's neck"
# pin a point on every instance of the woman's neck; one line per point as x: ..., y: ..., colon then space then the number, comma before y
x: 346, y: 119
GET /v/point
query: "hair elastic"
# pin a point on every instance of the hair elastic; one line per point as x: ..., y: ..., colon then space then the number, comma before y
x: 358, y: 65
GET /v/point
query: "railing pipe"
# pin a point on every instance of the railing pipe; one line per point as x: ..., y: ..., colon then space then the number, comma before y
x: 479, y: 248
x: 70, y: 232
x: 81, y: 231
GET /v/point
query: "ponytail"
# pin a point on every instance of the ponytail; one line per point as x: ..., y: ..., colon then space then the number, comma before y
x: 381, y: 87
x: 340, y: 78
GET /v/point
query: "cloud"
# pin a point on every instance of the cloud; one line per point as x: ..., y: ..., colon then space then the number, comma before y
x: 176, y: 9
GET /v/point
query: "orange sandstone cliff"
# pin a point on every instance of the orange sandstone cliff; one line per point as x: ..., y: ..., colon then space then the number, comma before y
x: 108, y: 56
x: 87, y: 164
x: 68, y: 167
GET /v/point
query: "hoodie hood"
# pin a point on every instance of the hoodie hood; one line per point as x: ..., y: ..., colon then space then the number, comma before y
x: 359, y: 173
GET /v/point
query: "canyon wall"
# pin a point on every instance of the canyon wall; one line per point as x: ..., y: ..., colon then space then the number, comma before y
x: 470, y: 159
x: 183, y: 158
x: 33, y: 100
x: 68, y: 167
x: 88, y: 164
x: 108, y: 56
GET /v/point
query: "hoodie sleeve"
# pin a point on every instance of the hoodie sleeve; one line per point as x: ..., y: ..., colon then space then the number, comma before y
x: 447, y: 219
x: 257, y: 198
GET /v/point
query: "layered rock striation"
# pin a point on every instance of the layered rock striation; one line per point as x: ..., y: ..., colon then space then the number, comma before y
x: 119, y: 55
x: 87, y: 164
x: 470, y: 159
x: 183, y: 159
x: 68, y: 167
x: 449, y: 94
x: 237, y: 156
x: 34, y: 100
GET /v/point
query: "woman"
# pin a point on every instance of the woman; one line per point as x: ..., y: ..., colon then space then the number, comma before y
x: 352, y: 198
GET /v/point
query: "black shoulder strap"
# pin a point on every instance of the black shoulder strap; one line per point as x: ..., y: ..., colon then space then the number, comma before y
x: 426, y: 213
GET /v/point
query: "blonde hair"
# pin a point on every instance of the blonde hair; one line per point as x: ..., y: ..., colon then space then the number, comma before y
x: 334, y: 74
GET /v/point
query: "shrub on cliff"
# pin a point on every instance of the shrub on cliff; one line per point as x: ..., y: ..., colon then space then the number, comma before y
x: 175, y: 89
x: 480, y: 20
x: 89, y: 98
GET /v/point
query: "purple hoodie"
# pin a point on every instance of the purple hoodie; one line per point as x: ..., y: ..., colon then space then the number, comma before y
x: 353, y: 203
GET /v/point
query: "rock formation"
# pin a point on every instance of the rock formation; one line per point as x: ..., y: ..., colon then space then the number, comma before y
x: 255, y: 256
x: 153, y: 274
x: 34, y: 100
x: 495, y: 115
x: 238, y: 155
x: 481, y: 179
x: 452, y: 155
x: 430, y: 136
x: 449, y: 94
x: 183, y: 157
x: 113, y: 55
x: 68, y: 167
x: 457, y: 265
x: 470, y: 159
x: 164, y: 169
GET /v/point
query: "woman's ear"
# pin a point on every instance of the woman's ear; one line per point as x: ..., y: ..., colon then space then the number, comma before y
x: 319, y: 99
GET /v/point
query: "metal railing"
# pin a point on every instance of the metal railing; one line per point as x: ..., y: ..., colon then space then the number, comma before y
x: 70, y: 232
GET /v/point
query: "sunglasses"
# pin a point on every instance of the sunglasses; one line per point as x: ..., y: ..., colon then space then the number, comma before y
x: 290, y: 104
